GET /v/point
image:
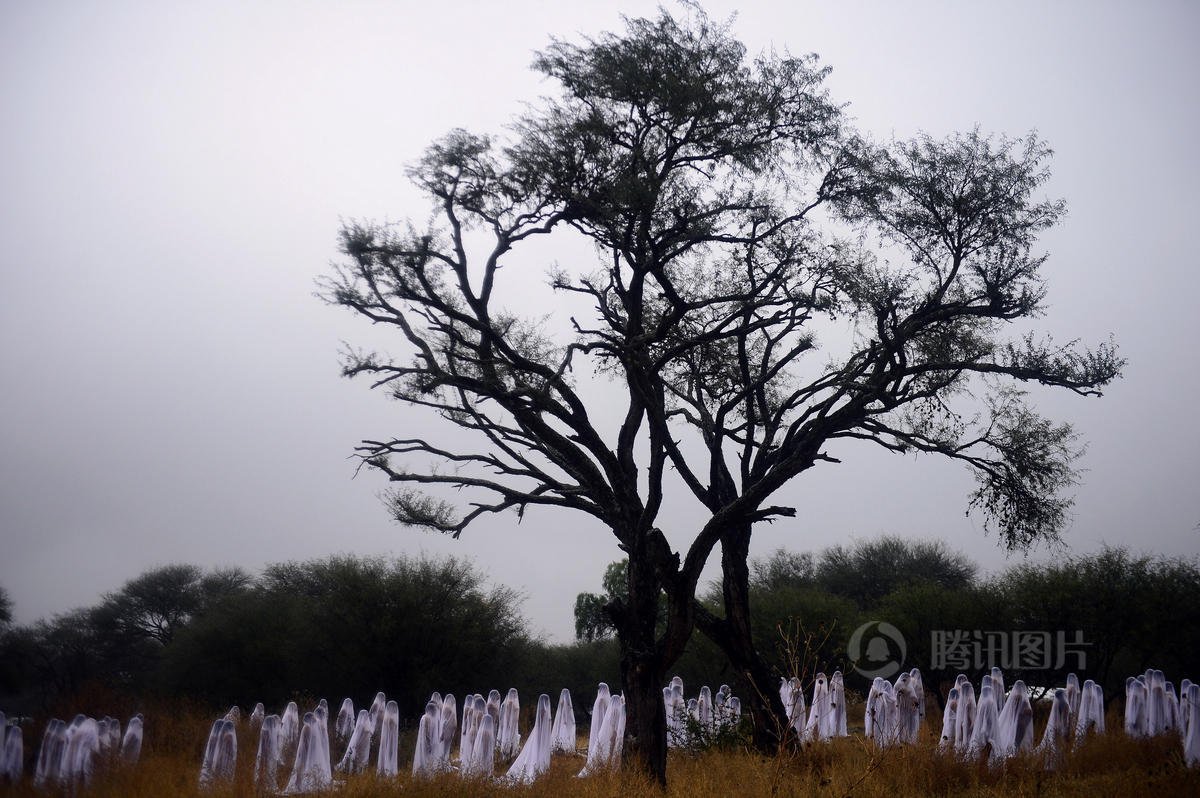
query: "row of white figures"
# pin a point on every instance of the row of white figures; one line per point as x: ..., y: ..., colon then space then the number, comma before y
x: 895, y: 712
x: 72, y: 753
x: 606, y: 736
x: 489, y: 728
x: 1000, y: 727
x: 826, y: 717
x: 1152, y: 708
x: 705, y: 715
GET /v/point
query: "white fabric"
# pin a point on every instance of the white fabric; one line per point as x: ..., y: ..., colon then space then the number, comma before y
x: 604, y: 747
x: 837, y: 693
x: 344, y: 725
x: 509, y: 733
x: 311, y: 772
x: 965, y: 717
x: 907, y: 718
x: 534, y: 759
x: 1135, y: 707
x: 983, y: 736
x: 1014, y: 728
x: 50, y: 756
x: 1091, y: 712
x: 946, y: 741
x: 1057, y: 733
x: 270, y: 754
x: 470, y: 730
x: 131, y: 743
x: 358, y: 751
x: 376, y: 713
x: 12, y: 752
x: 447, y: 729
x: 1191, y: 742
x: 482, y: 761
x: 820, y: 712
x: 562, y: 733
x: 599, y: 708
x: 289, y: 725
x: 425, y: 761
x: 1074, y: 695
x: 388, y: 763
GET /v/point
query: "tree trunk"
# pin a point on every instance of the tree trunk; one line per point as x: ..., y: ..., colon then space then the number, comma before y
x: 643, y: 668
x: 733, y: 635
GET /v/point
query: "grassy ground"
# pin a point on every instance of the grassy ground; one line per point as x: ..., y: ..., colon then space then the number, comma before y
x: 1112, y: 765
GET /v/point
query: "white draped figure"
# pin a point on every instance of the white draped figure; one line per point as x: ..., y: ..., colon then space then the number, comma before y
x: 1185, y: 703
x: 468, y: 730
x: 1091, y: 712
x: 562, y: 733
x: 1074, y: 695
x: 358, y: 751
x: 269, y: 756
x: 881, y: 712
x: 599, y: 708
x: 50, y: 756
x: 946, y: 741
x: 1057, y: 734
x: 908, y: 712
x: 983, y: 736
x: 1014, y: 728
x: 918, y: 686
x: 509, y: 734
x: 1191, y: 742
x: 534, y: 759
x: 964, y: 720
x: 837, y: 693
x: 1135, y: 707
x: 12, y: 752
x: 604, y: 747
x: 791, y: 693
x: 311, y: 771
x: 425, y: 759
x: 481, y: 760
x: 290, y: 724
x: 343, y: 727
x: 82, y: 744
x: 998, y: 688
x: 257, y: 715
x: 448, y: 728
x: 220, y: 755
x: 676, y: 709
x: 376, y: 713
x: 388, y: 763
x: 704, y: 710
x: 820, y: 712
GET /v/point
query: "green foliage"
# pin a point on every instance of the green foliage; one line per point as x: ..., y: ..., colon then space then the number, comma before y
x: 347, y: 625
x: 5, y: 609
x: 591, y: 620
x: 868, y: 570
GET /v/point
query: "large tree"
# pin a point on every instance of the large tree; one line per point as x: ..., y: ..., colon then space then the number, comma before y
x: 703, y: 179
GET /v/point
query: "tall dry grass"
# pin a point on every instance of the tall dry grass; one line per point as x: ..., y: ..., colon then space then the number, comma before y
x: 1111, y: 765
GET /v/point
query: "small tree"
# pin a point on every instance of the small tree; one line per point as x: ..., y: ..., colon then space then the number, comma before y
x: 699, y: 175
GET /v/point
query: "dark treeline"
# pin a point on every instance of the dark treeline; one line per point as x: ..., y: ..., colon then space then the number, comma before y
x: 1104, y: 616
x: 336, y: 627
x: 348, y: 626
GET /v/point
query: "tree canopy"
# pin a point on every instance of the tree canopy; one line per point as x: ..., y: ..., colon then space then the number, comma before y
x: 735, y: 215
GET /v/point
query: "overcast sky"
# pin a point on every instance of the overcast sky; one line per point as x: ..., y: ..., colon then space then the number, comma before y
x: 172, y: 178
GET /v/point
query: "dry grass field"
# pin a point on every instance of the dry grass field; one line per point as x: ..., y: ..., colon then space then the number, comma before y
x: 1112, y: 765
